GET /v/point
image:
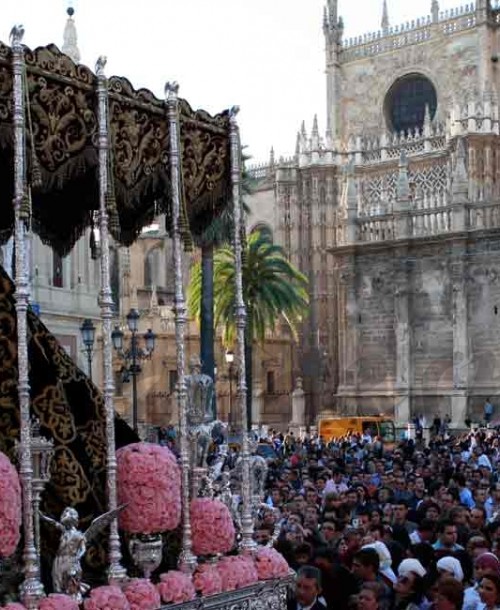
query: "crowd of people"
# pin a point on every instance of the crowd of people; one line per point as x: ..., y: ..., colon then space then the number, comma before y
x: 371, y: 527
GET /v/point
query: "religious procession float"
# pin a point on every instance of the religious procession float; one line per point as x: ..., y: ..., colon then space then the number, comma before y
x: 90, y: 517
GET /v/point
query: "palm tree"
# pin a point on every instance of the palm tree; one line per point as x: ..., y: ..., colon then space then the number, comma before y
x: 273, y: 291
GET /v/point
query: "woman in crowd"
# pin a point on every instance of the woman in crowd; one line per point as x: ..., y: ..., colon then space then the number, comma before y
x: 489, y: 591
x: 409, y: 587
x: 485, y: 564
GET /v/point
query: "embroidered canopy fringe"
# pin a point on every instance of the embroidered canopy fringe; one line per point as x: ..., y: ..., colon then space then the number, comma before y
x: 62, y: 127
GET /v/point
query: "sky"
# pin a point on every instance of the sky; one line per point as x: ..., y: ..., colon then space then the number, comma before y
x: 266, y: 56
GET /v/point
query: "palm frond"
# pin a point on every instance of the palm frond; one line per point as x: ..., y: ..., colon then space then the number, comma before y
x: 273, y: 289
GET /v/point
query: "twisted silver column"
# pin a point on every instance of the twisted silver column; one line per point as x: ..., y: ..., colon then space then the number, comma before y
x: 32, y: 588
x: 248, y: 544
x: 187, y: 559
x: 116, y: 572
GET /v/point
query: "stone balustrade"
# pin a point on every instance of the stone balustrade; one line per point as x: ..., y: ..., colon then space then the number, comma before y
x: 427, y: 222
x: 376, y: 229
x: 412, y: 32
x: 484, y: 216
x: 259, y: 171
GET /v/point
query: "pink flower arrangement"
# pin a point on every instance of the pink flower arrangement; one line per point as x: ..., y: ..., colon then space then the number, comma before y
x: 58, y: 601
x: 13, y: 606
x: 176, y: 587
x: 10, y: 507
x: 142, y: 595
x: 270, y: 564
x: 207, y: 580
x: 149, y: 483
x: 212, y: 527
x: 237, y: 572
x: 107, y: 598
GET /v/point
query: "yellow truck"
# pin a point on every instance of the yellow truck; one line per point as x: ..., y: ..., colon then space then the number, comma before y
x: 377, y: 425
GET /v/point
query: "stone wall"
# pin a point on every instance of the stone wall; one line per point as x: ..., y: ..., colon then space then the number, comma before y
x: 376, y: 320
x: 484, y: 316
x: 435, y: 366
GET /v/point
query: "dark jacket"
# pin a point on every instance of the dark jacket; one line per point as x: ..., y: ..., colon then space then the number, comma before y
x: 292, y: 605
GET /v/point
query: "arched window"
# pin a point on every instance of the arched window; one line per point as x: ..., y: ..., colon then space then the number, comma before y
x: 57, y: 270
x: 406, y: 102
x: 152, y: 268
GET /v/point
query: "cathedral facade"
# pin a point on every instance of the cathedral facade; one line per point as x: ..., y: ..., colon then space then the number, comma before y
x: 394, y: 215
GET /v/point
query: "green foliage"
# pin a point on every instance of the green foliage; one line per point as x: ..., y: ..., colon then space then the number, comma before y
x: 273, y: 289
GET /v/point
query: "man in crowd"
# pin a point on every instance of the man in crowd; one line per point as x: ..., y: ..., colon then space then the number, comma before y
x: 307, y: 590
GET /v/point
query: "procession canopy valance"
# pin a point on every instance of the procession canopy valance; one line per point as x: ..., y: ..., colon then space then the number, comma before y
x: 62, y: 154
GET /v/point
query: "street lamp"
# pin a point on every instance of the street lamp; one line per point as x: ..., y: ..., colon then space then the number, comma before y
x: 87, y: 330
x: 133, y: 355
x: 230, y: 373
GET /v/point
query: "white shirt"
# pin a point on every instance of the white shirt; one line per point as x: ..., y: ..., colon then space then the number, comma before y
x: 320, y: 600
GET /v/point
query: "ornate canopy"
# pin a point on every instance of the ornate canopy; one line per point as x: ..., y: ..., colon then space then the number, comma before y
x: 61, y: 138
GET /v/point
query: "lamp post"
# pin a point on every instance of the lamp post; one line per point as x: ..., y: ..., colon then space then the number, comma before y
x: 230, y: 372
x: 133, y: 355
x: 87, y: 330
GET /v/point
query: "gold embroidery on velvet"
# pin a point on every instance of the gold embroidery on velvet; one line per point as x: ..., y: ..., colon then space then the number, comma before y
x: 63, y: 103
x: 71, y: 411
x: 68, y: 477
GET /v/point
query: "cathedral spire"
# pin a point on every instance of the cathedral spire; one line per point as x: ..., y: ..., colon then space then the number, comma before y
x: 460, y: 187
x: 427, y: 127
x: 403, y: 183
x: 154, y: 307
x: 385, y: 17
x: 351, y: 202
x: 333, y: 12
x: 315, y: 129
x: 271, y: 157
x: 435, y: 11
x: 351, y: 188
x: 70, y: 37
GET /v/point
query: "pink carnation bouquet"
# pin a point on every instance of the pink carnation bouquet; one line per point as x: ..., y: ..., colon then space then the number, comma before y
x: 142, y: 595
x: 212, y: 527
x: 149, y: 483
x: 270, y: 564
x: 106, y: 598
x: 207, y: 580
x: 10, y: 507
x: 13, y: 606
x: 58, y: 601
x: 237, y: 572
x: 176, y: 587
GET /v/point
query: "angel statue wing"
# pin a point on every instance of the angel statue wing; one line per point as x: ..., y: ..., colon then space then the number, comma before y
x: 51, y: 521
x: 100, y: 523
